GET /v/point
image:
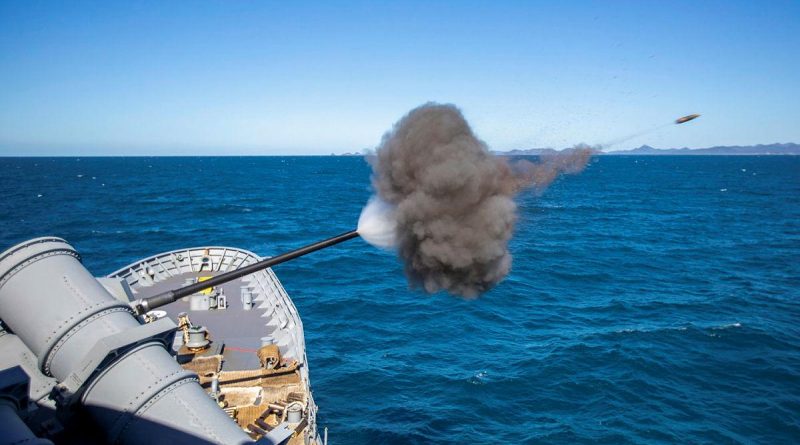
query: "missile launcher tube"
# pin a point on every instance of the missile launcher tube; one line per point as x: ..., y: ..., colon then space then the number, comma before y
x: 60, y: 312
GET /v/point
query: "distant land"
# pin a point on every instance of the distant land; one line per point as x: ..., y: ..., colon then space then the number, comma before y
x: 732, y: 150
x: 761, y: 149
x: 646, y: 150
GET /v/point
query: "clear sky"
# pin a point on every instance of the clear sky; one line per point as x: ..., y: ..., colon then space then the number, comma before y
x: 239, y: 77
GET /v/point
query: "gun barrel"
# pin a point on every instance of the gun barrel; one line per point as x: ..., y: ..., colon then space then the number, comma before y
x: 147, y: 304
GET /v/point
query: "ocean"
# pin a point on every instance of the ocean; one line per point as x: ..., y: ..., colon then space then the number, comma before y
x: 652, y: 299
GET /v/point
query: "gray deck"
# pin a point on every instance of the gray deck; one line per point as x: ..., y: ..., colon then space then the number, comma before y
x: 272, y: 315
x: 238, y: 329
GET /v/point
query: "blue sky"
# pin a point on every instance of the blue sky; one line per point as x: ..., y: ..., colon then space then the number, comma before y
x: 243, y: 77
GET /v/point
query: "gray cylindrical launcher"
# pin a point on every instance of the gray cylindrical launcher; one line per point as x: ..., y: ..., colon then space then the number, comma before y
x: 148, y: 304
x: 102, y: 357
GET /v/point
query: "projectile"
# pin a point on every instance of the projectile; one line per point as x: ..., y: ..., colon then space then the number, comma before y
x: 685, y: 119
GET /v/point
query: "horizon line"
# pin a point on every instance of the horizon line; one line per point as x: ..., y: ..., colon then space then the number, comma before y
x: 367, y: 151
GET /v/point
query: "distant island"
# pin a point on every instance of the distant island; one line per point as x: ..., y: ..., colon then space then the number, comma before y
x: 789, y: 148
x: 526, y: 152
x: 761, y: 149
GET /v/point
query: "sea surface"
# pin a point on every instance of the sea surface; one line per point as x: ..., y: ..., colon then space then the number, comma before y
x: 652, y: 299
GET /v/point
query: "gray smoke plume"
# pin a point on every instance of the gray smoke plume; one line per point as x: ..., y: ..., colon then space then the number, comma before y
x: 452, y: 200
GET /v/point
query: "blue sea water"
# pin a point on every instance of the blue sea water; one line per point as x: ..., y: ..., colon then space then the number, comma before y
x: 652, y: 299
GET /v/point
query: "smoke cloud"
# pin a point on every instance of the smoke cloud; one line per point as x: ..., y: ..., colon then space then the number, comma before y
x: 446, y: 203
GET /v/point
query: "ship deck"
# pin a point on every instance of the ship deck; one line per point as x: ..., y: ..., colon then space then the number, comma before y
x: 240, y: 330
x: 236, y: 332
x: 272, y: 317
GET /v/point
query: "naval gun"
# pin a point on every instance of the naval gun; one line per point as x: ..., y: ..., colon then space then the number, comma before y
x: 144, y: 305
